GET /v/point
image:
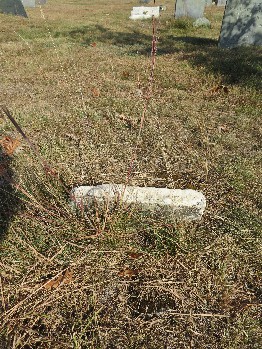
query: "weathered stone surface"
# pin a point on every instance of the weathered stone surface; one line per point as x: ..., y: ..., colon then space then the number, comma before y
x: 202, y: 22
x: 190, y: 8
x: 28, y: 3
x: 221, y: 2
x: 33, y: 3
x: 13, y: 7
x: 143, y: 12
x: 179, y: 204
x: 242, y: 24
x: 209, y: 2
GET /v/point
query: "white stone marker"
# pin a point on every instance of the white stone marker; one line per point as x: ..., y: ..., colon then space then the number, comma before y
x: 143, y: 12
x: 28, y: 3
x: 221, y: 2
x: 180, y: 204
x: 190, y: 8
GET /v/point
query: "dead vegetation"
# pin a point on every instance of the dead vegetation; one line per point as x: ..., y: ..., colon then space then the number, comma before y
x: 75, y: 79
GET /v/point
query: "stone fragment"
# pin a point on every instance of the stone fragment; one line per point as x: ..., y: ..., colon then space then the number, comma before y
x: 178, y: 204
x: 162, y: 8
x: 202, y: 22
x: 242, y: 24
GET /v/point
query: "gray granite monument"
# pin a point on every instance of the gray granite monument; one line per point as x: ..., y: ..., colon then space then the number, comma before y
x: 190, y: 8
x: 13, y: 7
x: 242, y: 24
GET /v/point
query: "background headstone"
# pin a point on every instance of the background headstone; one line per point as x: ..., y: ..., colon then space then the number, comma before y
x: 28, y: 3
x: 242, y: 24
x: 14, y: 7
x: 221, y: 2
x: 190, y: 8
x: 209, y: 2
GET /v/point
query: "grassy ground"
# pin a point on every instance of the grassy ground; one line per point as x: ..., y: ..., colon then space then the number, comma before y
x: 74, y: 77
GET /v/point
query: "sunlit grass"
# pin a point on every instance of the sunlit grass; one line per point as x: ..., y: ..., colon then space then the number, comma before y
x: 73, y: 77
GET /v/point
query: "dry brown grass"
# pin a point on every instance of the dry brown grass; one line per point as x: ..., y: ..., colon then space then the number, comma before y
x: 73, y: 81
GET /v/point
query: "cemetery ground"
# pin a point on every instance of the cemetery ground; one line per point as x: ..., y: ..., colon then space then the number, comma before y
x: 75, y: 78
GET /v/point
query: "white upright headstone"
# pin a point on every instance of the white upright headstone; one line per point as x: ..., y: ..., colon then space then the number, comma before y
x: 221, y: 2
x: 28, y: 3
x: 190, y: 8
x: 242, y: 24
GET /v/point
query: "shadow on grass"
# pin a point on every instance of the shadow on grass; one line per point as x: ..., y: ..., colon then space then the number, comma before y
x: 241, y: 65
x: 97, y: 33
x: 9, y: 202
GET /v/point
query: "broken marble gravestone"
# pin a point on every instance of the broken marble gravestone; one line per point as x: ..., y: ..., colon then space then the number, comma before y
x: 242, y: 24
x: 190, y: 8
x: 12, y: 7
x: 178, y: 204
x: 144, y: 12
